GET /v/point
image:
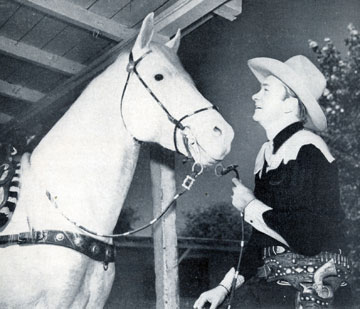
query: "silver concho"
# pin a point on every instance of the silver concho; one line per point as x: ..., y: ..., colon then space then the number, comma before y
x: 59, y: 237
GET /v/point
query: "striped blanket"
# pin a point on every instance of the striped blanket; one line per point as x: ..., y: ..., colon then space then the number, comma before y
x: 9, y: 186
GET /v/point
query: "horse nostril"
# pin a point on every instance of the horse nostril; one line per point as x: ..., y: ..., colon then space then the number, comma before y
x: 217, y: 131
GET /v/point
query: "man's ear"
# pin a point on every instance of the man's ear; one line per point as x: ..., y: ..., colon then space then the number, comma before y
x: 291, y: 105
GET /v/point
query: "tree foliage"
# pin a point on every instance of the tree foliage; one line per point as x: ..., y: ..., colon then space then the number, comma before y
x: 341, y: 103
x: 220, y: 221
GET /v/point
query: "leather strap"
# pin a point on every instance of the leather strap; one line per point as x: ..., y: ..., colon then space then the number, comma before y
x: 91, y: 247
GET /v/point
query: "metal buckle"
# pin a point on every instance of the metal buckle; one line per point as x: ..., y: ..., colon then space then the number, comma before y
x: 197, y: 168
x: 188, y: 182
x: 130, y: 66
x: 22, y: 238
x: 39, y: 235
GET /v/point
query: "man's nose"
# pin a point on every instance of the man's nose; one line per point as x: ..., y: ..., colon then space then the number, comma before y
x: 255, y: 96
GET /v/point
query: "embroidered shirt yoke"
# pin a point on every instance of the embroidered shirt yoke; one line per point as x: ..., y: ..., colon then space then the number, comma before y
x: 300, y: 193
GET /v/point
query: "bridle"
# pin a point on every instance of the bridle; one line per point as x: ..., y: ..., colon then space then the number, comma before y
x: 132, y: 68
x: 189, y: 180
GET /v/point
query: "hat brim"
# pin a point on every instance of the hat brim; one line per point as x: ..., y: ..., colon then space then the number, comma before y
x: 263, y: 67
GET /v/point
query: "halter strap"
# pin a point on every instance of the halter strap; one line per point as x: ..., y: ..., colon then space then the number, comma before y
x: 131, y: 67
x: 187, y: 116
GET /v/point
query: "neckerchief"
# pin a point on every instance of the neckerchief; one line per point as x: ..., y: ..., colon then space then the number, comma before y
x: 286, y: 146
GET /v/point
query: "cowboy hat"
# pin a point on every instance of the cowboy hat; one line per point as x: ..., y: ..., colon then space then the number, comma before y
x: 302, y: 77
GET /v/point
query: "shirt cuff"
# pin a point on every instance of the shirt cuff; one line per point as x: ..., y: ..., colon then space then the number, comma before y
x: 254, y: 216
x: 228, y: 279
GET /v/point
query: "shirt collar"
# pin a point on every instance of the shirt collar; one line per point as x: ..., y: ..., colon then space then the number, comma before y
x: 285, y: 134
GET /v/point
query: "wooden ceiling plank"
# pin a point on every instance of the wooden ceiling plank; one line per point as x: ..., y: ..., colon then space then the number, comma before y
x: 38, y: 56
x: 20, y: 23
x: 36, y: 77
x: 44, y: 32
x: 8, y: 66
x: 87, y: 49
x: 55, y: 99
x: 68, y: 39
x: 7, y: 9
x: 183, y: 13
x: 20, y: 92
x: 76, y: 15
x: 84, y: 3
x: 13, y: 107
x: 134, y: 12
x: 108, y: 8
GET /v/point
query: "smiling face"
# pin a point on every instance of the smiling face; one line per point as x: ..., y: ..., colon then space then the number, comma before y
x: 271, y: 102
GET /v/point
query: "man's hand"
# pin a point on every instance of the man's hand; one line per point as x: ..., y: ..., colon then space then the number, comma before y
x: 242, y: 195
x: 214, y: 296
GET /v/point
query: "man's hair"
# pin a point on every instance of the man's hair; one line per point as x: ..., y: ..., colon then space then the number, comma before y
x: 302, y: 114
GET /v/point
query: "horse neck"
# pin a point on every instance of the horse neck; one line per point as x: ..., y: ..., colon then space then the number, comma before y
x: 88, y: 159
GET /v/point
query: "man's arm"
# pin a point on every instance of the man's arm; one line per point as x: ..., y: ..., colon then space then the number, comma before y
x: 244, y: 200
x: 217, y: 295
x: 254, y: 215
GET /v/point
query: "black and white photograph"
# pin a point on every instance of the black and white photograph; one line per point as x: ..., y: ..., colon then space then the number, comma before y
x: 179, y: 154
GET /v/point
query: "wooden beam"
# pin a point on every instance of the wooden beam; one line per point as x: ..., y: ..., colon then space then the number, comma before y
x: 39, y: 57
x: 183, y: 13
x: 19, y: 92
x: 196, y: 24
x: 184, y: 255
x: 57, y: 98
x: 78, y: 16
x: 162, y: 166
x: 193, y: 243
x: 230, y: 10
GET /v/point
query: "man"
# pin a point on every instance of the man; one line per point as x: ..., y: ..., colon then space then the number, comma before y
x: 297, y: 240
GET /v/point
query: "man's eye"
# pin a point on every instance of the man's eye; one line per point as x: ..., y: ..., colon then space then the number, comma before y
x: 159, y: 77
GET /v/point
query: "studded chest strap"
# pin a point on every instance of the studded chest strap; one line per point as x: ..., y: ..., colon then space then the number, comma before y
x: 91, y: 247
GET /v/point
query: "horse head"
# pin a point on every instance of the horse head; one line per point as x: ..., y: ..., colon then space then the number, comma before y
x: 167, y: 108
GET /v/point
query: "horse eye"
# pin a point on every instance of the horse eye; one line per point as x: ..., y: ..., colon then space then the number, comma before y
x: 159, y: 77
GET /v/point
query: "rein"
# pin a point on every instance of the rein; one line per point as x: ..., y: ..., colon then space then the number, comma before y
x: 189, y: 180
x: 132, y: 68
x: 221, y: 171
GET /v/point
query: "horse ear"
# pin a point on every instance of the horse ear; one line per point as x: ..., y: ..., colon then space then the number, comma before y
x: 174, y: 43
x: 144, y: 37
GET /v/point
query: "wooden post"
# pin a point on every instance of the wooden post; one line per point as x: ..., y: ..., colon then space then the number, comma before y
x: 162, y: 165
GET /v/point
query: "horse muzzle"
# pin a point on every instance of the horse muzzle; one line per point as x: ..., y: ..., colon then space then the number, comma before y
x: 209, y: 142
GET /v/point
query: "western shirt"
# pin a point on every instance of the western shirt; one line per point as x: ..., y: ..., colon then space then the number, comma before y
x: 297, y: 201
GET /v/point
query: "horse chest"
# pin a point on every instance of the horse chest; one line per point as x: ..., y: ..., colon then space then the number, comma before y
x: 68, y: 279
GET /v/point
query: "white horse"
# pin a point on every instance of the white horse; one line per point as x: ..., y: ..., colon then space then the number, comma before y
x: 86, y: 163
